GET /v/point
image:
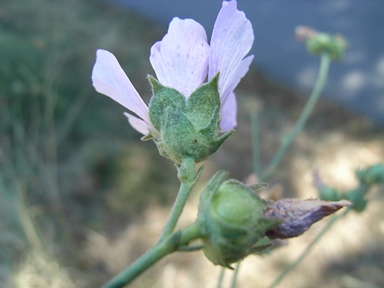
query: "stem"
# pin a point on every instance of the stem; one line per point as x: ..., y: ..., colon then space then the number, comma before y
x: 221, y: 278
x: 235, y: 275
x: 316, y: 92
x: 27, y: 224
x: 309, y: 248
x: 157, y: 252
x: 190, y: 248
x: 255, y: 144
x: 188, y: 178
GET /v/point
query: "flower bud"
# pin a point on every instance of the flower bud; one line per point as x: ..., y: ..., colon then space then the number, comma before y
x: 357, y: 197
x: 327, y: 193
x: 233, y: 221
x: 319, y: 43
x: 186, y: 128
x: 371, y: 175
x: 297, y: 216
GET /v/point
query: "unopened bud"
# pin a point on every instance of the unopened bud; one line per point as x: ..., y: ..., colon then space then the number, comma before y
x: 357, y: 197
x: 322, y: 43
x: 232, y: 215
x: 297, y: 216
x: 326, y: 193
x: 371, y: 175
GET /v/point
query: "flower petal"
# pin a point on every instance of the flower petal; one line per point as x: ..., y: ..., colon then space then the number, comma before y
x: 232, y: 39
x: 238, y: 73
x: 109, y: 79
x: 138, y: 124
x: 180, y: 60
x: 228, y: 113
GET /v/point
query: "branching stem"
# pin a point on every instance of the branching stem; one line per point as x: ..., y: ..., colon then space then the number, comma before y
x: 188, y: 179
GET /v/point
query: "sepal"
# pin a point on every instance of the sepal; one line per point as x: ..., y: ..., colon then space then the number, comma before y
x: 186, y: 128
x: 164, y: 99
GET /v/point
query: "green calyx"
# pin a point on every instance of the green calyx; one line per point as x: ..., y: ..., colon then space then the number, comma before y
x: 232, y: 217
x: 323, y: 43
x: 186, y: 128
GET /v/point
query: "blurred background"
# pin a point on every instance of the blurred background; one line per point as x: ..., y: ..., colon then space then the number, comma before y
x: 81, y: 196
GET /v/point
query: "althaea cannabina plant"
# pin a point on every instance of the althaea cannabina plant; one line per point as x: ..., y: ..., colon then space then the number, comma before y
x: 191, y: 112
x: 186, y: 118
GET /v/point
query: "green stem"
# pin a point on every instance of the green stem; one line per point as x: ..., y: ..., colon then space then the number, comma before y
x: 319, y: 86
x: 309, y: 248
x: 221, y: 278
x: 190, y: 248
x: 235, y: 275
x: 188, y: 178
x: 255, y: 144
x: 157, y: 252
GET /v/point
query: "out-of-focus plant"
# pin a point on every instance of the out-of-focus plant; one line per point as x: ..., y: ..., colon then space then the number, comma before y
x: 367, y: 178
x: 43, y: 88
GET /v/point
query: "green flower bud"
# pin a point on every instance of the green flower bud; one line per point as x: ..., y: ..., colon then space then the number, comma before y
x: 371, y: 175
x: 327, y: 193
x: 186, y: 128
x: 319, y: 43
x: 325, y: 43
x: 232, y: 217
x: 357, y: 197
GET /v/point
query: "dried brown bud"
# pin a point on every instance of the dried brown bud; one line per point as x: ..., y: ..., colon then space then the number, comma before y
x: 298, y: 215
x: 304, y: 32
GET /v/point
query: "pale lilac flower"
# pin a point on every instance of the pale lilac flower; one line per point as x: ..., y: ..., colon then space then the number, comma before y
x: 184, y: 60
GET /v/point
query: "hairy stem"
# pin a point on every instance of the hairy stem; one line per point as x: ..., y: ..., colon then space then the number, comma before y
x: 188, y: 179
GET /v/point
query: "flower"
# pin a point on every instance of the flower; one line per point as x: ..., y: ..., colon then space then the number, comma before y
x: 182, y: 60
